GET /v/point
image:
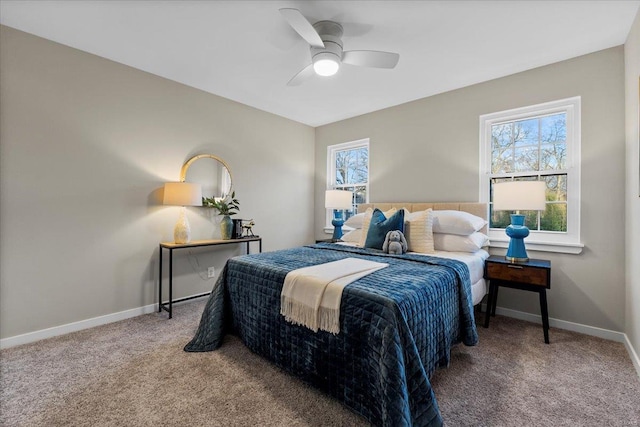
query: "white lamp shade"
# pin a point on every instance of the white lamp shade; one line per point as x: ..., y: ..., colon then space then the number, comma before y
x: 338, y: 199
x: 519, y: 196
x: 182, y: 194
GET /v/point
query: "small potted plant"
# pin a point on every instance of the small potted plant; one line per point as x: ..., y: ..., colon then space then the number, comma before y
x: 226, y: 207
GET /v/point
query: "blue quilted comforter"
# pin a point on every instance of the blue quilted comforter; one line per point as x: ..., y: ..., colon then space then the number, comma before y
x: 397, y: 326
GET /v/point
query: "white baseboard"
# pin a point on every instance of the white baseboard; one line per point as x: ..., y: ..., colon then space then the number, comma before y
x: 75, y: 326
x: 607, y: 334
x: 78, y: 326
x: 632, y: 353
x: 562, y: 324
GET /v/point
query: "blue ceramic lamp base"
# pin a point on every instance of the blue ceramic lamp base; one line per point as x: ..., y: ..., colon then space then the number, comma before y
x: 337, y: 223
x: 517, y: 231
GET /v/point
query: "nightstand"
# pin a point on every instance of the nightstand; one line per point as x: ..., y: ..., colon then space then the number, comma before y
x: 533, y: 275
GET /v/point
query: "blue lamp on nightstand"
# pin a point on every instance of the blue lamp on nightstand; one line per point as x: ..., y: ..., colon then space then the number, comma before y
x: 518, y: 196
x: 338, y: 200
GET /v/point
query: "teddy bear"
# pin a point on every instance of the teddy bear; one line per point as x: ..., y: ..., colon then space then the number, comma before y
x: 395, y: 243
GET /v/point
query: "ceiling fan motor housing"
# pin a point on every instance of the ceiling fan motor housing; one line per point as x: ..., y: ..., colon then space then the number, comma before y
x: 330, y: 32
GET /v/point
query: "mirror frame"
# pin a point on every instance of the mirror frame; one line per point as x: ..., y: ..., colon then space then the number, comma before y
x: 185, y: 167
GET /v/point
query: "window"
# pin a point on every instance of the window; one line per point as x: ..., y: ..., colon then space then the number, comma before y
x: 348, y: 169
x: 538, y: 143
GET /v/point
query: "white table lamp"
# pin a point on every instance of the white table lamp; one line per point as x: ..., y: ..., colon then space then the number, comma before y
x: 518, y: 196
x: 182, y: 194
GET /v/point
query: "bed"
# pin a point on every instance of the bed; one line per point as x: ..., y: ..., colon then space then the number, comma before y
x: 397, y: 325
x: 474, y: 260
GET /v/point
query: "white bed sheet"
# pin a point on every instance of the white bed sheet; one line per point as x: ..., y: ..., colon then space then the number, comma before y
x: 475, y: 262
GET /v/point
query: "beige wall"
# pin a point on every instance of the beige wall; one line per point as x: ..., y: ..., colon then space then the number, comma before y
x: 86, y: 144
x: 427, y: 150
x: 632, y: 91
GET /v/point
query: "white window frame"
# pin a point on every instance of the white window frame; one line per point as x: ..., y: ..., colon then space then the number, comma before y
x: 331, y: 171
x: 549, y: 241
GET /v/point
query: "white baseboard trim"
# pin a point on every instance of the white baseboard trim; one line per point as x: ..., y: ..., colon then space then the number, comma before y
x: 562, y: 324
x: 75, y: 326
x: 607, y: 334
x: 632, y: 353
x: 78, y: 326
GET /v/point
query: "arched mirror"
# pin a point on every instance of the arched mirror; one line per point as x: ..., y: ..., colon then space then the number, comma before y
x: 209, y: 171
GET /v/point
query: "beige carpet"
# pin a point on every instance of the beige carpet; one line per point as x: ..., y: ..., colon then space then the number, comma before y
x: 134, y: 373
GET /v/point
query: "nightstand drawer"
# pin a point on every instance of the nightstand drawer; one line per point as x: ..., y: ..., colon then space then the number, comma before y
x: 518, y: 273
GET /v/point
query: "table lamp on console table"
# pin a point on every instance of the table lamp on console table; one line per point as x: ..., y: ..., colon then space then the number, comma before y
x: 518, y: 196
x: 182, y: 194
x: 338, y: 200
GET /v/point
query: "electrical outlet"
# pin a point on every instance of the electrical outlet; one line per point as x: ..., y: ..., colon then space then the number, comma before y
x: 211, y: 272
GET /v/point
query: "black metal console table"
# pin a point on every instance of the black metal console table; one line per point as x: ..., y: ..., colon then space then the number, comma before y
x: 171, y: 246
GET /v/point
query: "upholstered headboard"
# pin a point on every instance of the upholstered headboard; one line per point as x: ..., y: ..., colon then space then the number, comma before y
x: 477, y: 209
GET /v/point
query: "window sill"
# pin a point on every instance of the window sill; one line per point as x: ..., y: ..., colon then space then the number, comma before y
x: 563, y: 248
x: 345, y: 229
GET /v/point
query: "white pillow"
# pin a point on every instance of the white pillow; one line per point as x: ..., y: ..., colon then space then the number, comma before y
x: 456, y: 222
x: 367, y: 220
x: 355, y: 221
x: 352, y: 236
x: 458, y: 243
x: 417, y: 230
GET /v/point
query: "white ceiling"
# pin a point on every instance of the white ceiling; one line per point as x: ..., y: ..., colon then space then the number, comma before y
x: 245, y: 51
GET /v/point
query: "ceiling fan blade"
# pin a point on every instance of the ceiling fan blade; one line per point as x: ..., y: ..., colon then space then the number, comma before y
x: 303, y: 27
x: 303, y: 75
x: 370, y: 58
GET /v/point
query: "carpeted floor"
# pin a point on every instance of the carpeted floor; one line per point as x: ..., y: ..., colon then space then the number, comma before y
x: 134, y: 373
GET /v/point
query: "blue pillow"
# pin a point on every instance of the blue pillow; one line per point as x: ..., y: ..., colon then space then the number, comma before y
x: 381, y: 225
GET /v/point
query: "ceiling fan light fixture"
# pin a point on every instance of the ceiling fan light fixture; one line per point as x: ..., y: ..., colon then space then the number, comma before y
x: 326, y: 67
x: 326, y: 63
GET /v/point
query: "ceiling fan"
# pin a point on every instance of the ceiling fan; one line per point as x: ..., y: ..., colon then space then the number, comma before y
x: 324, y: 38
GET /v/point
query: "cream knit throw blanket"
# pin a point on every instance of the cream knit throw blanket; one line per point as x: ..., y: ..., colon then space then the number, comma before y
x: 311, y: 296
